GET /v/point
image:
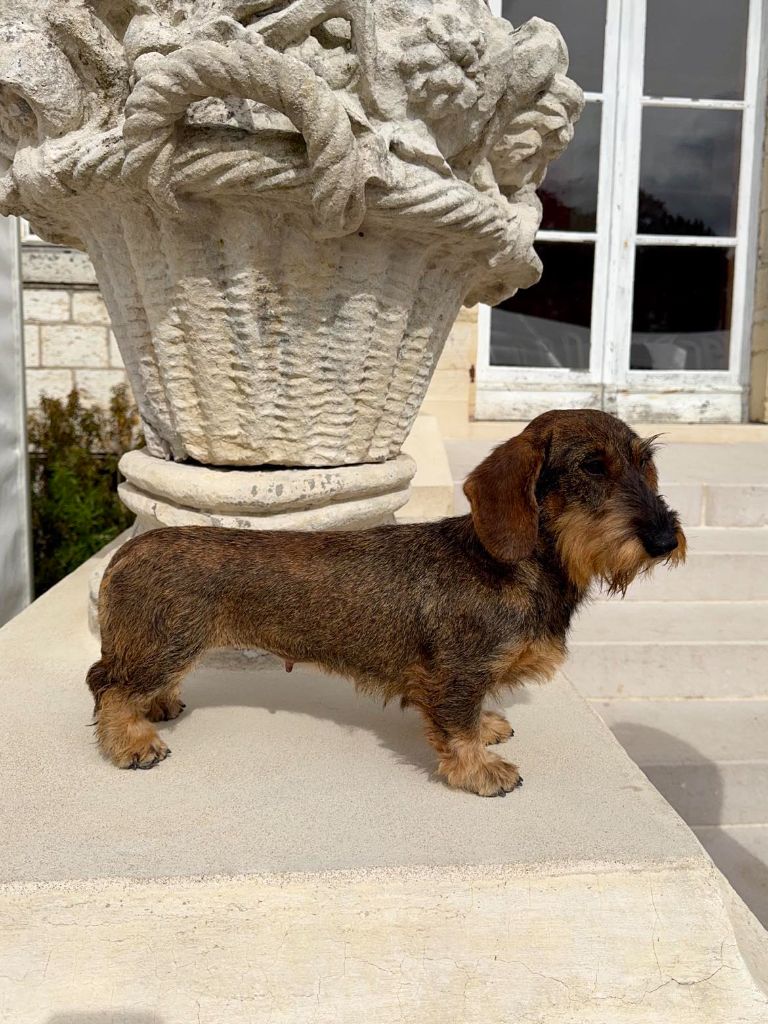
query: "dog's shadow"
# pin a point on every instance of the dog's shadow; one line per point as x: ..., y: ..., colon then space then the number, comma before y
x: 307, y: 691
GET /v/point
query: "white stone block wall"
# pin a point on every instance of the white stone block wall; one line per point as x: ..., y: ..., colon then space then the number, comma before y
x: 758, y: 401
x: 68, y: 342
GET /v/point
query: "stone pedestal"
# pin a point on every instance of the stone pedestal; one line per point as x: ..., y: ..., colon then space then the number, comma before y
x: 345, y: 497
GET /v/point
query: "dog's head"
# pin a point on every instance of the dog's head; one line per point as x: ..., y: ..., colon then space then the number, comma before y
x: 585, y: 483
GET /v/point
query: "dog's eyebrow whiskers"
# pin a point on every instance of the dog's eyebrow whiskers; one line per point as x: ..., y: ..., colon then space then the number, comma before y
x: 649, y: 446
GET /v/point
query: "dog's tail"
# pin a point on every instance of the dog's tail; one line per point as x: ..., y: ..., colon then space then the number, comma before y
x: 99, y: 681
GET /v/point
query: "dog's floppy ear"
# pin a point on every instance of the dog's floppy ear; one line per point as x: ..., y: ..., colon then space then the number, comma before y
x: 502, y: 493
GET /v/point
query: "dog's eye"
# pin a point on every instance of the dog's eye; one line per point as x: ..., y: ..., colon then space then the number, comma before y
x: 595, y: 467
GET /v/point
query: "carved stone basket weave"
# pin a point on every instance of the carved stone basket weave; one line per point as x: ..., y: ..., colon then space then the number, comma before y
x: 286, y: 202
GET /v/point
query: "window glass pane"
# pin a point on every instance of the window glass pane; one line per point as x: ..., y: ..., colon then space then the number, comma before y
x: 569, y: 191
x: 682, y: 308
x: 582, y: 24
x: 696, y: 48
x: 689, y: 172
x: 548, y: 324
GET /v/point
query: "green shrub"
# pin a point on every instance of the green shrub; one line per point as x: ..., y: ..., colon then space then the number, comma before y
x: 73, y: 454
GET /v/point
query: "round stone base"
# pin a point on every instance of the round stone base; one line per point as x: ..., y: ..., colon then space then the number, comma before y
x: 181, y: 494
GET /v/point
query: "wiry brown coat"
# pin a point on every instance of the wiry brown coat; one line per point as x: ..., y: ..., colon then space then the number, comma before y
x: 437, y: 615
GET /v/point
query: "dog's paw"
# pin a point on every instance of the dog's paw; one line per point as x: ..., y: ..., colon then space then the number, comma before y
x: 165, y: 709
x: 146, y: 755
x: 479, y: 772
x: 496, y: 778
x: 494, y: 728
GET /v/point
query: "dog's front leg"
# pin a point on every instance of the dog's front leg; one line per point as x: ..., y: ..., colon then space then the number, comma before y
x: 459, y: 734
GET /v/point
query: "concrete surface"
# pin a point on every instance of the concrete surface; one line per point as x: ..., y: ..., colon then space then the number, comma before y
x: 295, y: 860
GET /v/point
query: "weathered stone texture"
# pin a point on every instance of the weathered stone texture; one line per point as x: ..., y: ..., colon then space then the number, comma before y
x: 286, y: 203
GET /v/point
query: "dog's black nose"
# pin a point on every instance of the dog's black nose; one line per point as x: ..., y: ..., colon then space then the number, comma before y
x: 660, y: 543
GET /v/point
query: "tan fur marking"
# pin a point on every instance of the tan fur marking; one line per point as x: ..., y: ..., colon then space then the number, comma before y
x: 125, y: 735
x: 465, y: 763
x: 680, y: 553
x: 600, y: 548
x: 165, y: 707
x: 494, y: 728
x: 521, y: 661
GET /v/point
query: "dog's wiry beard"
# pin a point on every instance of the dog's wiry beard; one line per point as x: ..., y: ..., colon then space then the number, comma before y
x: 624, y: 566
x: 602, y: 548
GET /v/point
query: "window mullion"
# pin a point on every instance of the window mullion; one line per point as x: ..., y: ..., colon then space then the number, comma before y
x: 628, y: 89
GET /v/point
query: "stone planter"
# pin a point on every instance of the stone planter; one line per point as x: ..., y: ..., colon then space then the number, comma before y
x: 286, y: 203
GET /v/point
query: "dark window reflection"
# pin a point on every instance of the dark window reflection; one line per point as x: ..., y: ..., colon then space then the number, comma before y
x: 548, y: 324
x: 696, y: 48
x: 582, y: 24
x: 682, y: 308
x: 569, y: 191
x: 689, y: 171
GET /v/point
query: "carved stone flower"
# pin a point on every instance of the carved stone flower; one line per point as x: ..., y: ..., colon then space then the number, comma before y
x: 533, y: 138
x: 336, y: 65
x: 443, y: 64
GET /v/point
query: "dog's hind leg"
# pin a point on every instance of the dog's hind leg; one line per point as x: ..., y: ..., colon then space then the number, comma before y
x: 125, y: 734
x: 124, y: 716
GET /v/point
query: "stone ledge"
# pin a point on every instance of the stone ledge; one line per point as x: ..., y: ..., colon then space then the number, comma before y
x: 359, y: 888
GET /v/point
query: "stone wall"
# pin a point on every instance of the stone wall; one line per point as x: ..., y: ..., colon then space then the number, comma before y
x: 68, y: 342
x: 758, y: 399
x: 450, y: 397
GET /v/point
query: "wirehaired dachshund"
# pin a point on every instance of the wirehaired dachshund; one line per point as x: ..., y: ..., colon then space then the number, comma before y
x: 439, y: 614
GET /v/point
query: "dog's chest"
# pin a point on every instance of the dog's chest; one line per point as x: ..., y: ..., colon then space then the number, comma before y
x: 520, y: 661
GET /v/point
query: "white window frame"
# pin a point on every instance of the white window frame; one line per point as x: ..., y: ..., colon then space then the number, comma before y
x: 716, y: 396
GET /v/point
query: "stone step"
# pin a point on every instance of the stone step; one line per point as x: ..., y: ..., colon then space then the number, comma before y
x: 709, y: 759
x: 659, y: 649
x: 671, y: 622
x: 669, y: 670
x: 706, y: 576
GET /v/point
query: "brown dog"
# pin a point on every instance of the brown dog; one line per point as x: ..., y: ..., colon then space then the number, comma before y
x: 437, y: 614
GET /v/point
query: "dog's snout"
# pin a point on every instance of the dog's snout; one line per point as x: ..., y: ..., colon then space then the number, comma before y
x: 658, y: 544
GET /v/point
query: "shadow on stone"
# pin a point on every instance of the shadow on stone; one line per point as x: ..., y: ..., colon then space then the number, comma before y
x: 325, y: 697
x: 747, y: 874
